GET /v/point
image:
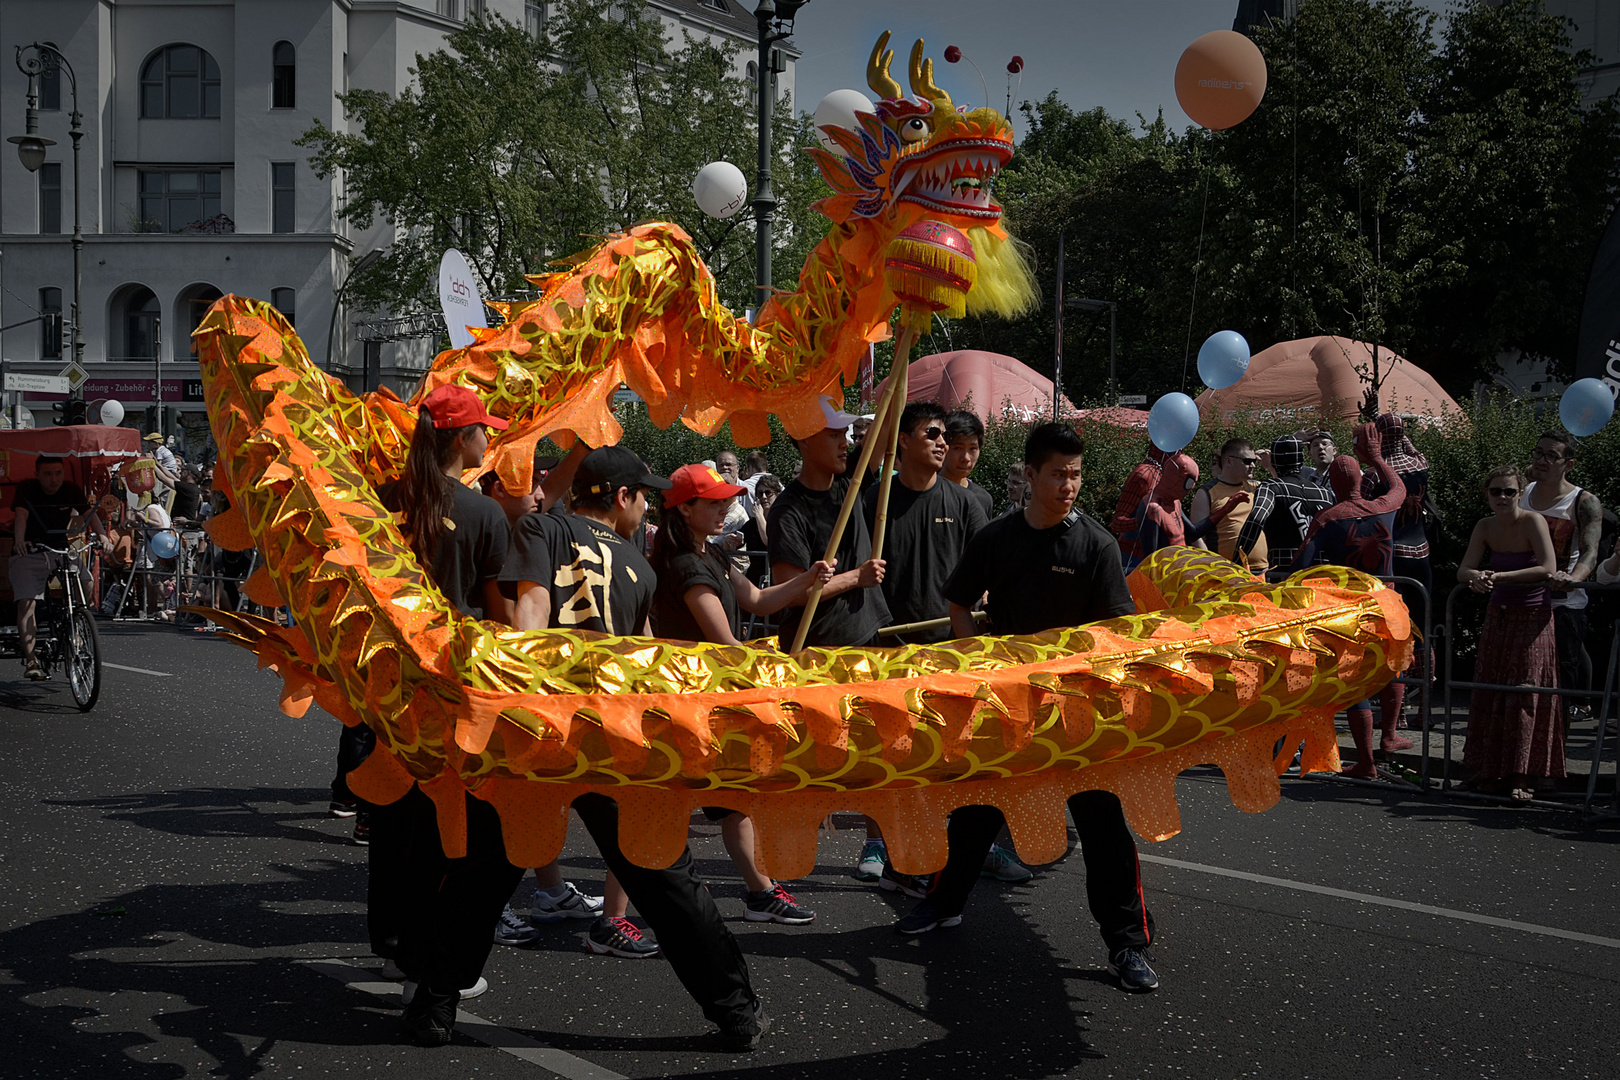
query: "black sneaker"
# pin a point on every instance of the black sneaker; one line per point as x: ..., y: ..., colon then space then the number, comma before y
x: 430, y: 1018
x: 776, y: 904
x: 743, y: 1039
x: 924, y: 918
x: 362, y: 829
x: 1130, y: 966
x: 341, y: 809
x: 619, y: 937
x: 912, y: 885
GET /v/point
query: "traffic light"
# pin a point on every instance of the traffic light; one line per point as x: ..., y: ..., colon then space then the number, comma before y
x: 70, y: 412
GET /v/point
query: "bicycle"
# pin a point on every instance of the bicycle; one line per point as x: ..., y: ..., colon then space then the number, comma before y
x: 66, y: 631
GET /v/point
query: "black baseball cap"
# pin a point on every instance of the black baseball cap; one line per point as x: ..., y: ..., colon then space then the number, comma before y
x: 609, y: 468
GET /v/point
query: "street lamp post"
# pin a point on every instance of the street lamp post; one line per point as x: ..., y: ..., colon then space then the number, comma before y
x: 42, y: 58
x: 775, y: 18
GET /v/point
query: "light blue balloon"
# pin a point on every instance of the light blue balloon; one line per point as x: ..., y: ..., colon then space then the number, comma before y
x: 1172, y: 422
x: 165, y: 545
x: 1585, y: 407
x: 1223, y: 359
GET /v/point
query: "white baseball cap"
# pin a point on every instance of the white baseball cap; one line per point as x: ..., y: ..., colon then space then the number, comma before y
x: 836, y: 418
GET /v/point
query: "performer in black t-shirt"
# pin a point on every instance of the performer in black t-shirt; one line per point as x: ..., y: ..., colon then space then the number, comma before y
x: 435, y: 915
x: 47, y: 508
x: 800, y: 525
x: 964, y: 434
x: 699, y: 593
x: 930, y: 522
x: 1045, y: 567
x: 852, y: 608
x: 579, y: 572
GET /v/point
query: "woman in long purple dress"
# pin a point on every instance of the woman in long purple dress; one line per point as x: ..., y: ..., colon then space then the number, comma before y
x: 1513, y: 737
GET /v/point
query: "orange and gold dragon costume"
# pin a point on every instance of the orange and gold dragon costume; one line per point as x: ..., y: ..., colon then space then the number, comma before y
x: 1217, y: 667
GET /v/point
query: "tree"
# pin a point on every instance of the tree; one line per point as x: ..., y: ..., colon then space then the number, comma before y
x: 520, y: 150
x: 1439, y: 195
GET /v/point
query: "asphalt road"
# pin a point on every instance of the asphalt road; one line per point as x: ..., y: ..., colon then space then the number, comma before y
x: 170, y: 875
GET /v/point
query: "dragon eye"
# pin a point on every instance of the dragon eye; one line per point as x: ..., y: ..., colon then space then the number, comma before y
x: 914, y: 130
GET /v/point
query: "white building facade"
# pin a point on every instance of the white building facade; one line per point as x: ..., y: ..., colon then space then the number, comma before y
x: 191, y: 184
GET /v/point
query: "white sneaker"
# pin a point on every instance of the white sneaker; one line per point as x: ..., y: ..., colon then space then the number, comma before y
x: 477, y: 989
x: 514, y: 929
x: 572, y: 904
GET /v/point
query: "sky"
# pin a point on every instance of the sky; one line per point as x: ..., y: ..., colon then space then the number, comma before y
x: 1119, y: 54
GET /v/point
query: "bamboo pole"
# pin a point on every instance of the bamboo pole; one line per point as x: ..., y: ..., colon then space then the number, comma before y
x: 844, y: 511
x: 901, y: 629
x: 891, y: 460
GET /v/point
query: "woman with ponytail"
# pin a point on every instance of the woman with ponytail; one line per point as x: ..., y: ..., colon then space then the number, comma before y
x: 436, y: 916
x: 699, y: 594
x: 458, y: 535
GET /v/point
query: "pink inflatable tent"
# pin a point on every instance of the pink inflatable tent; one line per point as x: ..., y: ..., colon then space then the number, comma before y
x: 1318, y: 377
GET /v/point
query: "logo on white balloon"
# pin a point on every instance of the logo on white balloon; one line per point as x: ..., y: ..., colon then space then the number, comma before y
x: 720, y: 189
x: 459, y: 298
x: 841, y: 109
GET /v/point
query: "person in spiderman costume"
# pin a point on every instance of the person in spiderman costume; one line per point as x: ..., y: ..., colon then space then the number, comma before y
x: 1161, y: 522
x: 1358, y: 532
x: 1138, y: 489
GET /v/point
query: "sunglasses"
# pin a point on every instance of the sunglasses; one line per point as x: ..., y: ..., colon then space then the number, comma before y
x: 1250, y: 461
x: 931, y: 432
x: 1503, y: 493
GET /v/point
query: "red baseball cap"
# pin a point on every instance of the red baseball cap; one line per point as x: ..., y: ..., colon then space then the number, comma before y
x: 457, y: 406
x: 698, y: 482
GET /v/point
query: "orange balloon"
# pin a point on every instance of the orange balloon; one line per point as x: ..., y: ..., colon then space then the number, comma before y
x: 1220, y: 79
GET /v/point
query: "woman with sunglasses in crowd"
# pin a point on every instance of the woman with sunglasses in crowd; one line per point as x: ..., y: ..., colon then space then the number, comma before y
x: 699, y: 596
x: 1513, y: 738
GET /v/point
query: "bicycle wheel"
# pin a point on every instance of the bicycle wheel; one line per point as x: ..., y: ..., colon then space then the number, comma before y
x: 83, y: 659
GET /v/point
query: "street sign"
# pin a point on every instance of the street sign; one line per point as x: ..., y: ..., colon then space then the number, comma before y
x: 38, y: 384
x: 74, y: 374
x: 1133, y: 399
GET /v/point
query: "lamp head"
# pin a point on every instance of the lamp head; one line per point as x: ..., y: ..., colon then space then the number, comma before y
x: 786, y: 9
x: 31, y: 150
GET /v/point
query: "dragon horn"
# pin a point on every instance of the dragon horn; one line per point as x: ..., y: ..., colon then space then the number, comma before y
x: 922, y: 79
x: 877, y: 71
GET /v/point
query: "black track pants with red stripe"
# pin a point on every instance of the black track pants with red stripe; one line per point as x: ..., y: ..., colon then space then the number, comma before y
x: 1113, y: 875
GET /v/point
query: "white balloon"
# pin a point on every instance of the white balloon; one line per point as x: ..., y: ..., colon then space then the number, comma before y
x: 838, y: 109
x: 720, y: 189
x: 112, y: 412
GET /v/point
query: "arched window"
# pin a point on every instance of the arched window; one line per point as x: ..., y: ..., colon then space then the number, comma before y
x: 284, y: 81
x: 285, y: 300
x: 180, y: 82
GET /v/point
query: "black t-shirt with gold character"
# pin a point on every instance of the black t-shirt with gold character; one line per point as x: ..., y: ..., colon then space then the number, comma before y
x: 597, y: 579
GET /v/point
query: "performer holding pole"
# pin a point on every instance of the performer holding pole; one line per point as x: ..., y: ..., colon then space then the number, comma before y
x: 930, y: 267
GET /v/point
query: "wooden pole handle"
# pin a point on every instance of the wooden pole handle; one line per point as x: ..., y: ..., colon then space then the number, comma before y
x: 891, y: 458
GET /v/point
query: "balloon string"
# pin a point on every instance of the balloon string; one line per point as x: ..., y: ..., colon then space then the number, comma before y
x: 1198, y: 263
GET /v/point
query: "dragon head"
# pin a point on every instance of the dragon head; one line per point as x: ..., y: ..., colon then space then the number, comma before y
x: 923, y: 157
x: 916, y: 157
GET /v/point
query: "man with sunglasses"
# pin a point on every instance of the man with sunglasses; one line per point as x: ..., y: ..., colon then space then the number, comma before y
x: 1234, y: 475
x: 929, y: 525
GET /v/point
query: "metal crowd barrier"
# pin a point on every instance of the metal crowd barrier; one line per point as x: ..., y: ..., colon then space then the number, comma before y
x: 196, y: 576
x: 1605, y: 695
